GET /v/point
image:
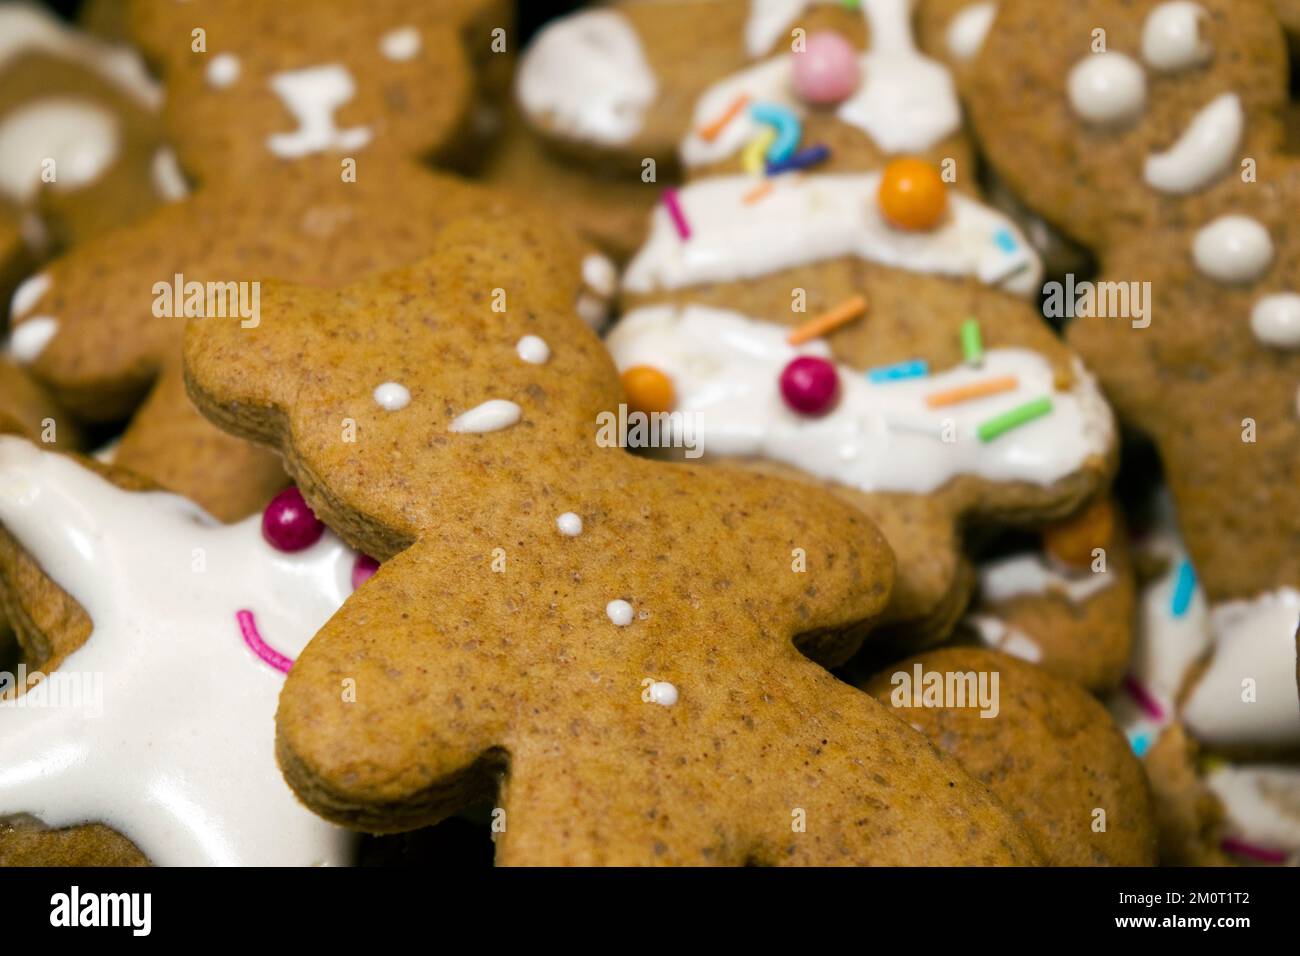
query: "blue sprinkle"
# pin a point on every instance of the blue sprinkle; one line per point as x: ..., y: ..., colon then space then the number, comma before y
x: 1006, y: 242
x: 917, y: 368
x: 1141, y: 744
x: 800, y: 160
x: 1184, y: 588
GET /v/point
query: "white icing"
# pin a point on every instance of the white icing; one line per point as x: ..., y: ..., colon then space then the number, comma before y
x: 593, y: 311
x: 1030, y: 574
x: 29, y: 292
x: 312, y: 95
x: 808, y: 219
x: 401, y: 44
x: 1107, y: 88
x: 1275, y: 320
x: 181, y: 760
x: 28, y: 340
x: 968, y: 30
x: 768, y: 21
x: 491, y: 416
x: 392, y: 396
x: 1171, y: 36
x: 222, y: 71
x: 663, y: 693
x: 168, y: 180
x: 107, y: 452
x: 1233, y: 249
x: 599, y: 274
x: 725, y: 369
x: 1205, y: 151
x: 1262, y: 805
x: 1000, y: 636
x: 533, y: 349
x: 569, y: 524
x: 619, y: 612
x: 1254, y: 640
x: 81, y: 136
x: 587, y: 75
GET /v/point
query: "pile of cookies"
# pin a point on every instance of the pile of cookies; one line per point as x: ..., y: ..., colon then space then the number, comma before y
x: 703, y: 432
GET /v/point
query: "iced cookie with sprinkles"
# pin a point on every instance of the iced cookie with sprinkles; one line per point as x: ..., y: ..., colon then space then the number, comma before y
x: 594, y: 638
x: 157, y: 644
x: 1044, y: 747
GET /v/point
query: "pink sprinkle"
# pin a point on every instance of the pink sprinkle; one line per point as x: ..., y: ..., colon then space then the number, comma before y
x: 248, y: 627
x: 1144, y: 699
x: 675, y: 211
x: 1239, y: 847
x: 363, y: 569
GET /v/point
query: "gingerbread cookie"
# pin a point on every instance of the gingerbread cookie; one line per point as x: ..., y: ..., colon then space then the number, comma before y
x: 556, y: 620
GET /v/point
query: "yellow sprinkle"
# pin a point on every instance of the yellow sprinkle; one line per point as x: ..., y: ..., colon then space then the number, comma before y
x: 753, y: 156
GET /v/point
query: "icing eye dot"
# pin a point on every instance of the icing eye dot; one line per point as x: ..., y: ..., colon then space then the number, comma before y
x: 1275, y: 321
x: 29, y: 292
x: 809, y: 385
x: 569, y: 524
x: 1171, y: 37
x: 648, y: 389
x: 663, y: 693
x: 28, y: 340
x: 533, y: 350
x: 619, y: 612
x: 968, y: 30
x: 392, y: 396
x: 827, y: 69
x: 288, y: 524
x: 1233, y: 249
x: 599, y: 274
x: 401, y: 44
x: 1107, y: 88
x: 222, y: 70
x: 912, y: 194
x: 363, y: 569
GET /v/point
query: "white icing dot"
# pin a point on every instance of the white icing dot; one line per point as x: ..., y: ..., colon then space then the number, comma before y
x: 599, y: 274
x: 569, y: 524
x: 1107, y: 88
x: 1276, y: 320
x: 1204, y: 152
x: 1233, y: 249
x: 28, y: 340
x: 79, y: 136
x: 620, y: 612
x: 593, y: 311
x: 168, y: 180
x: 491, y: 416
x: 1171, y: 37
x: 533, y: 349
x: 663, y: 693
x: 29, y: 292
x: 400, y: 44
x: 393, y: 396
x: 223, y: 70
x: 969, y: 29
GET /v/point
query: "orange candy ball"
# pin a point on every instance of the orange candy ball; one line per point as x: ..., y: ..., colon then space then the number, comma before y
x: 1072, y: 541
x: 648, y: 389
x: 912, y: 195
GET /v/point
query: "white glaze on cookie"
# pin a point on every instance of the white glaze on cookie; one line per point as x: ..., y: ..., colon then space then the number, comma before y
x: 1275, y: 321
x: 79, y: 135
x: 1205, y: 151
x: 1262, y: 805
x: 312, y: 95
x: 1107, y: 88
x: 1233, y: 249
x: 969, y: 28
x: 1171, y: 37
x: 491, y: 416
x: 1031, y: 574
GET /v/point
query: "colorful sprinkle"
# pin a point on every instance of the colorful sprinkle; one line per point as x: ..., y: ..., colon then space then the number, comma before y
x: 1141, y: 743
x: 809, y: 385
x: 1239, y: 847
x: 827, y: 70
x: 751, y: 157
x: 1184, y: 588
x: 648, y: 389
x: 999, y: 425
x: 1005, y: 241
x: 248, y: 628
x: 1150, y: 706
x: 288, y: 524
x: 757, y: 193
x: 916, y: 368
x: 788, y: 129
x: 912, y: 195
x: 803, y: 159
x: 972, y: 342
x: 966, y: 393
x: 709, y: 131
x: 675, y: 212
x: 828, y: 321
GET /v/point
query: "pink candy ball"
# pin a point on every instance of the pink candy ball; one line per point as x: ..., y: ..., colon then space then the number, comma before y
x: 827, y: 71
x: 363, y: 569
x: 288, y: 524
x: 809, y: 385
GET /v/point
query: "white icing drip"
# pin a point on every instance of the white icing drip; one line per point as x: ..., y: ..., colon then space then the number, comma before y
x: 814, y: 218
x: 998, y: 634
x: 181, y: 760
x: 533, y: 349
x: 491, y: 416
x: 1107, y: 88
x: 1262, y: 805
x: 28, y: 294
x: 1233, y: 249
x: 1275, y: 321
x: 392, y: 396
x: 28, y: 340
x: 79, y: 135
x: 587, y: 75
x: 168, y: 180
x: 312, y: 95
x: 968, y: 30
x: 725, y: 369
x: 1030, y: 574
x: 1171, y: 37
x: 1205, y: 151
x: 222, y: 71
x: 401, y: 44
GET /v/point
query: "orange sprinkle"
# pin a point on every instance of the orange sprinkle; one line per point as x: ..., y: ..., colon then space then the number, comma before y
x: 709, y: 131
x: 828, y: 321
x: 758, y: 192
x: 965, y: 393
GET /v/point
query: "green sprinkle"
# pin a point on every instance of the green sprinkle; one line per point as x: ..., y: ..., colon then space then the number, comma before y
x: 999, y: 425
x: 851, y: 4
x: 972, y: 343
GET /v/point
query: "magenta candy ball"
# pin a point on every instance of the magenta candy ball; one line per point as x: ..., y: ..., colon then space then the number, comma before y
x: 827, y: 71
x: 363, y: 570
x: 809, y: 385
x: 288, y: 524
